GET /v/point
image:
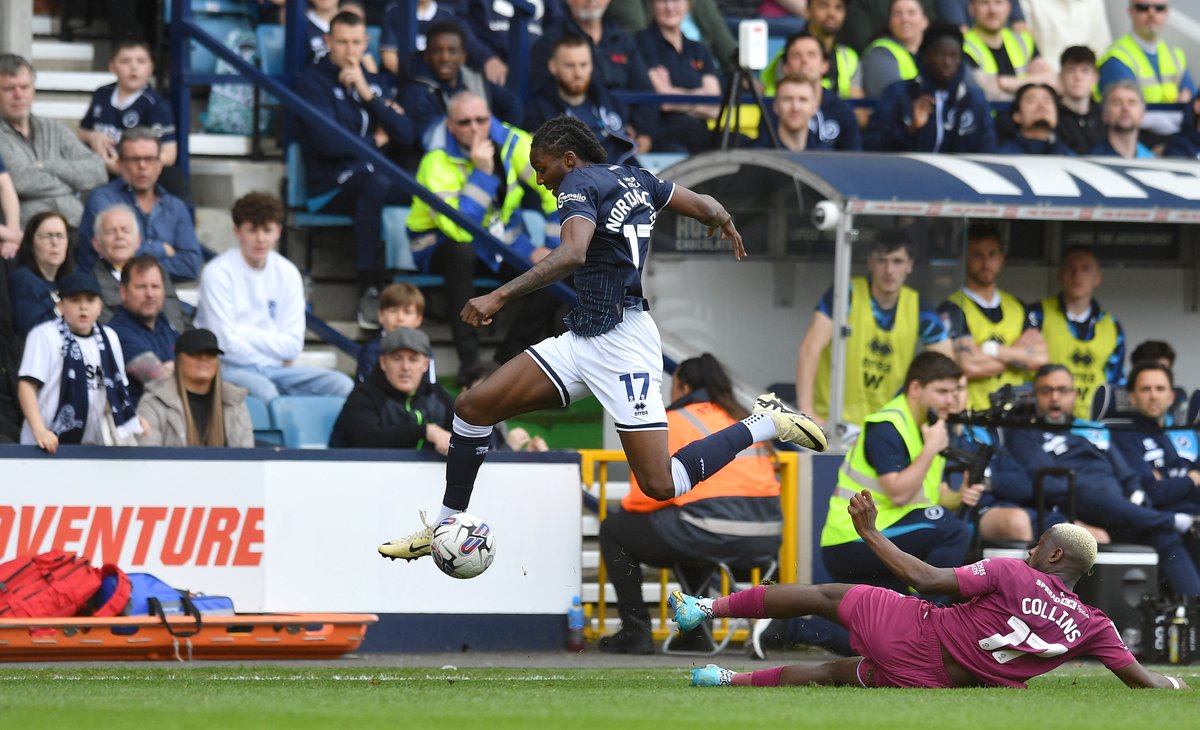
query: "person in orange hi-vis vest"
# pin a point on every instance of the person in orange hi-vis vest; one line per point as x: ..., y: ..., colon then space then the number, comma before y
x: 733, y: 517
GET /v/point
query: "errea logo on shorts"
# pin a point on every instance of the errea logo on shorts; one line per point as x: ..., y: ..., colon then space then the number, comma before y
x: 570, y: 198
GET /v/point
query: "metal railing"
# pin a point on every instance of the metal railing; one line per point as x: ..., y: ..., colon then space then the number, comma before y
x: 594, y: 468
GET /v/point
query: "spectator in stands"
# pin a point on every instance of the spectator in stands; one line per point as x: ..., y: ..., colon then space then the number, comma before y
x: 147, y: 334
x: 709, y: 16
x: 480, y: 166
x: 490, y: 23
x: 320, y: 15
x: 192, y: 406
x: 960, y: 13
x: 340, y: 178
x: 117, y: 242
x: 794, y: 108
x: 253, y: 300
x: 868, y: 19
x: 892, y: 56
x: 10, y: 212
x: 831, y: 125
x: 1061, y: 24
x: 397, y: 407
x: 164, y: 222
x: 400, y: 305
x: 72, y: 384
x: 1155, y: 351
x: 10, y: 360
x: 1080, y: 121
x: 50, y: 167
x: 439, y: 73
x: 1105, y: 480
x: 1079, y: 334
x: 992, y: 339
x: 784, y: 16
x: 503, y: 437
x: 733, y: 517
x: 573, y: 89
x: 1184, y: 144
x: 358, y: 7
x: 1002, y: 58
x: 1035, y: 116
x: 898, y: 458
x: 937, y: 111
x: 1159, y: 71
x: 430, y: 13
x: 617, y: 65
x: 128, y: 103
x: 46, y: 256
x: 1123, y: 114
x: 1169, y: 480
x: 679, y: 66
x: 844, y: 75
x: 887, y: 320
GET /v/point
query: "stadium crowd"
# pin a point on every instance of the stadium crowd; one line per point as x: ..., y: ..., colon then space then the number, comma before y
x: 96, y: 348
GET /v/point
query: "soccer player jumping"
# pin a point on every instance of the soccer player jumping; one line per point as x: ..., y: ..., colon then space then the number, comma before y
x: 612, y: 349
x: 1023, y: 620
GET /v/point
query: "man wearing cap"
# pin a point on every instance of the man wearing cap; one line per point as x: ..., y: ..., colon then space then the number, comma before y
x: 397, y: 407
x: 194, y: 407
x: 147, y: 333
x: 72, y: 385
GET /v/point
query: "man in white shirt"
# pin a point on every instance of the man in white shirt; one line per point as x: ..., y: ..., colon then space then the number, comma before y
x: 252, y: 298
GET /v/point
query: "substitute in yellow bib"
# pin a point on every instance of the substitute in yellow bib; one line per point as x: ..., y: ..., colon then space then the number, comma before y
x: 1079, y: 334
x: 898, y: 458
x: 992, y: 340
x: 887, y: 320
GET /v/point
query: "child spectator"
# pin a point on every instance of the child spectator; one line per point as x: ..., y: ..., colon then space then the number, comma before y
x: 45, y: 256
x: 128, y: 103
x: 400, y: 305
x: 72, y: 384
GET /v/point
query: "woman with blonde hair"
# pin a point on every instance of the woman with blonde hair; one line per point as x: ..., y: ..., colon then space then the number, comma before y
x: 194, y: 407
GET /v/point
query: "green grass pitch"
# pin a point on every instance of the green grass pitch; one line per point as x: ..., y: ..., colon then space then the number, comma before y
x: 228, y: 698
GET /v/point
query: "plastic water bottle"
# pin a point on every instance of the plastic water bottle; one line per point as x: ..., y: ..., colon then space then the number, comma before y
x: 575, y: 640
x: 1177, y: 637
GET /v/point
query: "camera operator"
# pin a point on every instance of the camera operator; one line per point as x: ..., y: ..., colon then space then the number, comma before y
x: 1105, y: 480
x: 1169, y: 480
x: 899, y: 458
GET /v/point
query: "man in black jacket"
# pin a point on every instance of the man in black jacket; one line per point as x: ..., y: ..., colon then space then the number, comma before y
x: 397, y: 407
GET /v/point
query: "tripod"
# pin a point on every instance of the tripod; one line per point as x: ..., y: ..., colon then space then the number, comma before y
x: 729, y: 117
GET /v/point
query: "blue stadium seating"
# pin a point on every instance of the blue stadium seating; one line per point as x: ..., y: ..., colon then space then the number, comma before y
x: 219, y: 27
x: 306, y: 420
x: 265, y: 433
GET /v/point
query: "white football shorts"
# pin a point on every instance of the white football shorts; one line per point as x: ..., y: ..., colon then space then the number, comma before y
x: 623, y: 368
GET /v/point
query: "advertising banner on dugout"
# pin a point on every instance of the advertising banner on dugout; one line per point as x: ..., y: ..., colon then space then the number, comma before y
x: 282, y: 535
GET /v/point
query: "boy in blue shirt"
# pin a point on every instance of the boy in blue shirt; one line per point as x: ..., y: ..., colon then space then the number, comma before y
x: 400, y: 305
x: 128, y: 103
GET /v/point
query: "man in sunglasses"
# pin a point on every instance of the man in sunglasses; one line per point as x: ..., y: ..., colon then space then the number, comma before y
x: 1160, y: 70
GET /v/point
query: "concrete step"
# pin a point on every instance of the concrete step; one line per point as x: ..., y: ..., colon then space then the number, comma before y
x: 65, y: 108
x: 45, y: 25
x: 55, y: 55
x: 82, y: 81
x: 218, y: 182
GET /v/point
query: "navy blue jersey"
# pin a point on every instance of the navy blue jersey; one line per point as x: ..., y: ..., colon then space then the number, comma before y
x: 623, y: 202
x: 145, y: 109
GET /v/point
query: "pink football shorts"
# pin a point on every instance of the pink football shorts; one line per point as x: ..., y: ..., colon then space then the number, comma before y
x: 894, y: 635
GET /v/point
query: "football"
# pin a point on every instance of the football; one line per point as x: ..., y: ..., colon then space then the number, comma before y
x: 463, y: 546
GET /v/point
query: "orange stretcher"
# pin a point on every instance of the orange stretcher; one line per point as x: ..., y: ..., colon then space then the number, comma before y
x: 134, y: 638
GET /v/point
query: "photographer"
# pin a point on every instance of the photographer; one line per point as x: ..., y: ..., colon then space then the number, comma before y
x: 1107, y: 485
x: 898, y: 458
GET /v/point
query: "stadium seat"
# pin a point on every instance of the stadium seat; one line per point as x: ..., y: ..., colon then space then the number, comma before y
x: 219, y: 27
x: 265, y: 433
x: 305, y: 420
x: 373, y: 34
